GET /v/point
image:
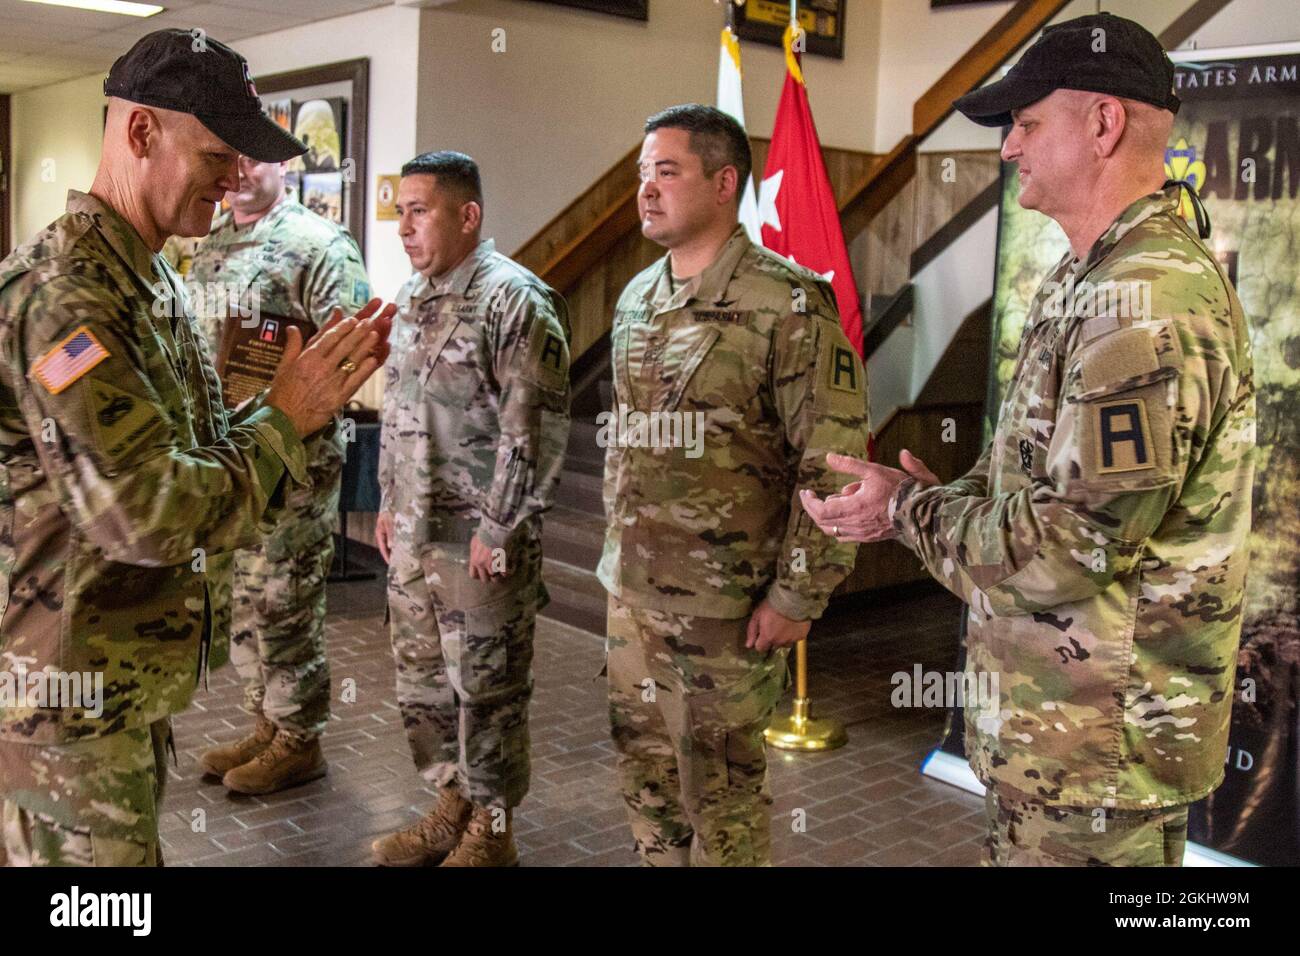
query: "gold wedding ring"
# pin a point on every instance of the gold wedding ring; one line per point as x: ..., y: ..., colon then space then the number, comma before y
x: 348, y: 366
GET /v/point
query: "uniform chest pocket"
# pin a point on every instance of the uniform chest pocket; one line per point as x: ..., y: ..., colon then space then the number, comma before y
x: 449, y: 368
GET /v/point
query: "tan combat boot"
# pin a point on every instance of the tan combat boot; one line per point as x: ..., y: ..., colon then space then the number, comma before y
x: 431, y: 838
x: 219, y: 760
x: 288, y: 761
x: 482, y: 845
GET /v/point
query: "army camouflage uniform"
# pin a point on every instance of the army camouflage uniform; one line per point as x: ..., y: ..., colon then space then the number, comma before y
x: 754, y: 346
x: 301, y: 266
x: 122, y: 479
x: 476, y: 418
x: 1101, y: 543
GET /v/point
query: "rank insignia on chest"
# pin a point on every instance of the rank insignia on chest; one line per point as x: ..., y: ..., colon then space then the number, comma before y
x: 1027, y: 456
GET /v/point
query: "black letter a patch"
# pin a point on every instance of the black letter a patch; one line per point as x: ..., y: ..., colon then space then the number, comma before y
x: 1123, y: 437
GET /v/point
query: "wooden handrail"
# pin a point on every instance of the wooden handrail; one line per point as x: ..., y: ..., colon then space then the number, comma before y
x: 990, y: 51
x: 1017, y: 26
x: 1189, y: 21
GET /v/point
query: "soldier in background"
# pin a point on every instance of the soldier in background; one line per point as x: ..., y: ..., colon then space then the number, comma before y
x: 269, y: 256
x: 121, y: 469
x: 476, y: 417
x: 1101, y: 541
x: 712, y: 569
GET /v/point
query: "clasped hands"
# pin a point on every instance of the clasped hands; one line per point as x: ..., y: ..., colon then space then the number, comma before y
x: 314, y: 380
x: 860, y: 511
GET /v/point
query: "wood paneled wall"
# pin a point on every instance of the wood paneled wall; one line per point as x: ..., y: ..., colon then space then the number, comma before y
x: 944, y: 183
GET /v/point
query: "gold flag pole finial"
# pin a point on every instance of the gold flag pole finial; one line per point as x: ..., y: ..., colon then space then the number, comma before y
x: 799, y: 731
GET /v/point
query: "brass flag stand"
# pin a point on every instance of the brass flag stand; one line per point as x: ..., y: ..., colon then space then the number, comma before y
x: 799, y: 731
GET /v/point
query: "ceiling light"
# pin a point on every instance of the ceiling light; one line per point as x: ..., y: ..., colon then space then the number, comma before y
x: 106, y: 6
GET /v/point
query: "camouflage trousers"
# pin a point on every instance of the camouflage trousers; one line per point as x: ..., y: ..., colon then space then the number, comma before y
x: 277, y: 641
x: 1031, y: 833
x: 688, y: 704
x: 464, y: 653
x: 91, y: 803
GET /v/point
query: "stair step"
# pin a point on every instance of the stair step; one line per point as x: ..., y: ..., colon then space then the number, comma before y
x: 577, y: 597
x: 582, y: 451
x: 574, y: 537
x: 581, y: 491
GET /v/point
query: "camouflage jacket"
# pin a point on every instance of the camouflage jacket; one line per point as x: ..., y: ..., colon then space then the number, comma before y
x: 746, y: 363
x: 292, y: 263
x: 476, y: 405
x: 1101, y: 540
x: 120, y: 474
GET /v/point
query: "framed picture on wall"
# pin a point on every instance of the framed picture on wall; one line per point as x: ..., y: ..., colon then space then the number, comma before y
x: 764, y: 21
x: 634, y: 9
x: 327, y: 108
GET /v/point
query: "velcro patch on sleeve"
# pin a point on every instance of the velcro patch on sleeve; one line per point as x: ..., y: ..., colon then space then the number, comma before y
x: 69, y: 360
x: 840, y: 381
x: 121, y: 420
x: 1119, y: 357
x: 1124, y: 439
x: 844, y: 371
x: 549, y: 355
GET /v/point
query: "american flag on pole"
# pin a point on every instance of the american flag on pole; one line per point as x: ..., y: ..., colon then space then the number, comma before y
x: 69, y: 360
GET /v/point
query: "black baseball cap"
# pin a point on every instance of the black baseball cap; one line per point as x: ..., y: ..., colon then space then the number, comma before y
x: 1099, y: 53
x: 179, y: 70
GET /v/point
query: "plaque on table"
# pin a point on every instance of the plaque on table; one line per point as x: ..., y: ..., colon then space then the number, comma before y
x: 250, y: 352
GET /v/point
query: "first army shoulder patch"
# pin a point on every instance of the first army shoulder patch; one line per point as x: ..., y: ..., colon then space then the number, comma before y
x: 843, y: 369
x: 69, y: 360
x: 1123, y: 437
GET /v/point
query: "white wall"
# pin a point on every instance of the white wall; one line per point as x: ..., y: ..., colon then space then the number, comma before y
x: 917, y: 46
x: 568, y: 96
x: 56, y: 136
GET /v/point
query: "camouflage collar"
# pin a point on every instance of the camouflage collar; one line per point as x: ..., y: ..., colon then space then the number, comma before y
x: 457, y: 281
x: 711, y: 284
x: 119, y: 234
x: 1157, y: 203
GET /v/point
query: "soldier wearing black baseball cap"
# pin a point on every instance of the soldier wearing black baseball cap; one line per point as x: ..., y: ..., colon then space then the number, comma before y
x: 1100, y: 53
x: 176, y: 70
x: 149, y: 470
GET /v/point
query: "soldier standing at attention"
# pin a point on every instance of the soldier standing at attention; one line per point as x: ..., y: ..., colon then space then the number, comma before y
x: 1101, y: 541
x: 476, y: 417
x: 273, y: 257
x: 712, y: 569
x: 120, y: 470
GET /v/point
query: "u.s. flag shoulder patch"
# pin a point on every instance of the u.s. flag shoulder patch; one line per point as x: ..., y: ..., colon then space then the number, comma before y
x: 69, y: 360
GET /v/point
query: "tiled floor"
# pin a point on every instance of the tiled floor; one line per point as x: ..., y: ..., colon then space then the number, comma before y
x: 865, y: 804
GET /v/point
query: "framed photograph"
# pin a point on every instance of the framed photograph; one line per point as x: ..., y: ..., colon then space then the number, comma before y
x: 326, y: 107
x: 322, y: 193
x: 764, y: 21
x: 633, y: 9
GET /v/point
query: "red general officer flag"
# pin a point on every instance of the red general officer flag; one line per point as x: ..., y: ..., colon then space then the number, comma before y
x: 796, y: 203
